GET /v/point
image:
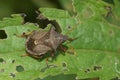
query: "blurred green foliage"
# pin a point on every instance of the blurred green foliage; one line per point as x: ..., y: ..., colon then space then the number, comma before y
x: 8, y: 7
x: 29, y: 7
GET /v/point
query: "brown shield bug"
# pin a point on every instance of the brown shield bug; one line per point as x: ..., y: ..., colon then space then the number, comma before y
x: 41, y: 41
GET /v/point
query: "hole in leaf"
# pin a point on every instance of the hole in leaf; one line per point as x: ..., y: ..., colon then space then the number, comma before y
x: 2, y: 60
x: 37, y: 79
x: 87, y: 70
x: 12, y: 75
x: 64, y: 64
x: 13, y: 61
x: 65, y: 67
x: 96, y: 68
x: 19, y: 68
x: 3, y: 35
x: 69, y: 27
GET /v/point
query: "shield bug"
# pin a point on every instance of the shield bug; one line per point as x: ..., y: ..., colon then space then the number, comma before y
x: 41, y: 41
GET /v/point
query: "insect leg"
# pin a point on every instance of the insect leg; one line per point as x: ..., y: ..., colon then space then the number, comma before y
x: 25, y: 35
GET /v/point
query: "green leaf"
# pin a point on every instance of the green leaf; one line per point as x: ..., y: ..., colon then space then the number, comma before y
x: 12, y: 65
x: 15, y: 20
x: 113, y: 14
x: 96, y: 46
x: 89, y: 9
x: 11, y: 49
x: 96, y: 43
x: 116, y: 9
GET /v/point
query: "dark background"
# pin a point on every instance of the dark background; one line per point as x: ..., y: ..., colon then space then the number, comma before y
x: 8, y: 7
